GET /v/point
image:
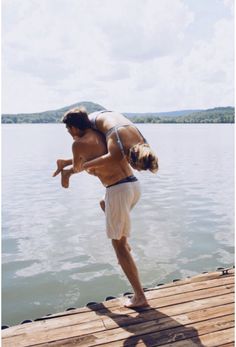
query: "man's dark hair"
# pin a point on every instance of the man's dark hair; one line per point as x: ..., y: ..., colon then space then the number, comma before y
x: 78, y: 118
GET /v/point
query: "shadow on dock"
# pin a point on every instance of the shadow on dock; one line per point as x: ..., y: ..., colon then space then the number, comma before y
x: 150, y: 327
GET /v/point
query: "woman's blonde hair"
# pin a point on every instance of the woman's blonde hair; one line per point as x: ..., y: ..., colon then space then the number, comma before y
x: 142, y: 157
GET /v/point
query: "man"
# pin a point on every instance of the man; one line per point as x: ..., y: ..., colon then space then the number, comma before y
x: 122, y: 193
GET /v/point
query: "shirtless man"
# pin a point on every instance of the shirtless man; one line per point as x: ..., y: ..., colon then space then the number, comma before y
x: 122, y: 193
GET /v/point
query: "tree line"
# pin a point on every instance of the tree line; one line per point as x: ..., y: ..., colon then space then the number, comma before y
x: 215, y: 115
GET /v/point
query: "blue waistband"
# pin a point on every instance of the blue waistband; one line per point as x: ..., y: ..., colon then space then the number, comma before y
x: 124, y: 180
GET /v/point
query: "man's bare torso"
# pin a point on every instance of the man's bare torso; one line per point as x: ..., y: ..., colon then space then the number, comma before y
x: 92, y: 145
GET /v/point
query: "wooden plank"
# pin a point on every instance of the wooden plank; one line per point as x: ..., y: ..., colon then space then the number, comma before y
x: 187, y: 288
x: 93, y: 315
x: 215, y: 339
x: 169, y: 336
x: 198, y: 304
x: 160, y: 323
x: 182, y: 318
x: 165, y: 290
x: 80, y: 328
x: 184, y: 305
x: 199, y: 278
x: 195, y: 280
x: 222, y: 338
x: 164, y: 337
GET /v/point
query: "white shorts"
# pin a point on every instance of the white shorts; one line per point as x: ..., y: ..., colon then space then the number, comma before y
x: 119, y: 201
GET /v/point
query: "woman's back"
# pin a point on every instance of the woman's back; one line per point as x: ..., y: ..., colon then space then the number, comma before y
x: 105, y: 120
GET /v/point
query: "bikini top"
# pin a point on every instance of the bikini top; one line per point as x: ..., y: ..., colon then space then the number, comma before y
x: 119, y: 142
x: 92, y: 117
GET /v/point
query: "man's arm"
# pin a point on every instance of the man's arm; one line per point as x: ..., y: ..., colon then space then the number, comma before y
x: 77, y: 161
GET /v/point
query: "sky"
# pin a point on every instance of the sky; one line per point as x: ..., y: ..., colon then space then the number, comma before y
x: 126, y: 55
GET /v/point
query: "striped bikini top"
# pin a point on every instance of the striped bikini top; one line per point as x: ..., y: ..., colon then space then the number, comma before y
x: 92, y: 118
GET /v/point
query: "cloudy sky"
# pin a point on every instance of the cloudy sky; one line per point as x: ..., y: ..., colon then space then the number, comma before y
x: 127, y: 55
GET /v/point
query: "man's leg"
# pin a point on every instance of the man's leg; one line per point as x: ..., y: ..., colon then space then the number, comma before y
x: 128, y: 265
x: 102, y: 205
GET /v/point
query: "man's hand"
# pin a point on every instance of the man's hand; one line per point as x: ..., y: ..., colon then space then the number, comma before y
x: 60, y: 166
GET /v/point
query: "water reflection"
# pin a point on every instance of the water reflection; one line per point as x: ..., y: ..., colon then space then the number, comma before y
x: 182, y: 225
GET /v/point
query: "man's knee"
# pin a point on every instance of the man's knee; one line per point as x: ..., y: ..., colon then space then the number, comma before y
x: 120, y: 245
x: 102, y: 205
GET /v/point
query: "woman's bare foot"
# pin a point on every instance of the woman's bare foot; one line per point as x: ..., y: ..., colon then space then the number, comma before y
x: 60, y: 166
x: 136, y: 302
x: 65, y: 176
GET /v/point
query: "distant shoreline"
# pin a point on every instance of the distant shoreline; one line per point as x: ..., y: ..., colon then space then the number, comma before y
x: 165, y: 123
x: 215, y: 115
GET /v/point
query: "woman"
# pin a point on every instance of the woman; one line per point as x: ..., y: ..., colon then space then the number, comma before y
x: 123, y: 139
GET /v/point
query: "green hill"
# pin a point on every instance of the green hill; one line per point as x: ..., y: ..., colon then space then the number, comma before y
x: 53, y: 116
x: 214, y: 115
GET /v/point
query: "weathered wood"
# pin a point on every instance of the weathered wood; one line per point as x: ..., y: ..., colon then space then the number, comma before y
x: 206, y: 303
x: 157, y: 294
x: 161, y: 323
x: 223, y: 338
x: 191, y: 312
x: 194, y: 280
x: 92, y: 316
x: 183, y: 317
x: 167, y: 337
x: 183, y: 286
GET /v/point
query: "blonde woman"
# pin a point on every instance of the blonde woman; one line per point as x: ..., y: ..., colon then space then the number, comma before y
x: 123, y: 139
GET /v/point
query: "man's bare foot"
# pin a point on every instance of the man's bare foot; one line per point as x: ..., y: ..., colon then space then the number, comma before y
x: 65, y: 176
x: 60, y: 166
x: 136, y: 302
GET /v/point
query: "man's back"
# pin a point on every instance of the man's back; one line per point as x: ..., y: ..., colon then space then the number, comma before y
x: 93, y: 145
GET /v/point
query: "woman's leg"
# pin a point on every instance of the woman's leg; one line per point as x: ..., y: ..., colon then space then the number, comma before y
x: 61, y: 163
x: 65, y: 177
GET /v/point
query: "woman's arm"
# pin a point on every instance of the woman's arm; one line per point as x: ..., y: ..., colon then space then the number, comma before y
x: 100, y: 161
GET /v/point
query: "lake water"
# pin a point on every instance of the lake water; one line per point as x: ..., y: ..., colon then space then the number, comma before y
x: 55, y: 251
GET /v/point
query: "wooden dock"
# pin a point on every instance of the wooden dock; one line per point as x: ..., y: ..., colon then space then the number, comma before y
x: 197, y: 311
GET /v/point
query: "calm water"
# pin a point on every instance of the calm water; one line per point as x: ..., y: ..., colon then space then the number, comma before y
x: 55, y: 251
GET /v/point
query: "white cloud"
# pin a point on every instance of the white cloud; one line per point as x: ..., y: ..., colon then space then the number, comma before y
x: 143, y: 30
x: 230, y: 5
x: 134, y: 55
